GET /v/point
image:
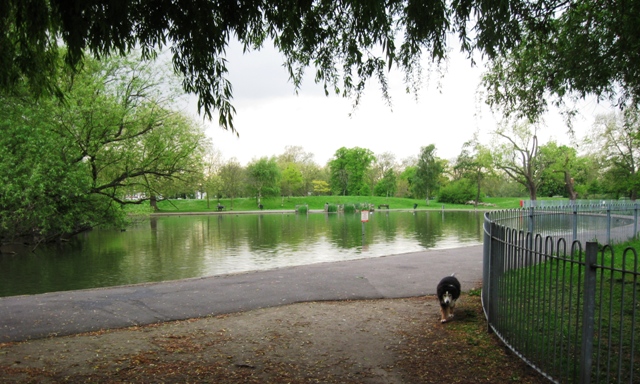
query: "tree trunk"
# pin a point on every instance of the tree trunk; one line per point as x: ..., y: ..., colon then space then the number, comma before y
x: 568, y: 184
x: 153, y: 201
x: 533, y: 191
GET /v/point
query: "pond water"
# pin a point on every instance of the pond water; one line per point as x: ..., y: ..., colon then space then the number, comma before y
x: 176, y: 247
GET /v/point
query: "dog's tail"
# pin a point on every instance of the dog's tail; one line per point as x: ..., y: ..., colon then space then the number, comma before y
x: 453, y: 274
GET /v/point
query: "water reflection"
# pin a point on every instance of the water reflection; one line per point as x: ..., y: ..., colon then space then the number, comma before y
x: 176, y: 247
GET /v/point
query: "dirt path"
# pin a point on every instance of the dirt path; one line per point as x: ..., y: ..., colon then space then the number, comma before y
x: 369, y: 341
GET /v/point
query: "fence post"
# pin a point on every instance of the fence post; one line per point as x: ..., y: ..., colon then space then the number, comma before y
x: 589, y: 304
x: 575, y: 223
x: 635, y: 220
x: 532, y: 225
x: 486, y: 266
x: 496, y: 255
x: 608, y: 223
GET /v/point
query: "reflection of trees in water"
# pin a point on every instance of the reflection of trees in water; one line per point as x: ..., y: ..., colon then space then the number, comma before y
x: 427, y: 229
x: 431, y: 226
x: 265, y: 232
x: 269, y: 233
x: 387, y: 225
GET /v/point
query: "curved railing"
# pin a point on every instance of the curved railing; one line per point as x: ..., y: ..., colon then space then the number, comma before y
x: 567, y: 306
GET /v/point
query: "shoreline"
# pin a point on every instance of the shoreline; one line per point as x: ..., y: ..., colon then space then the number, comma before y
x: 394, y: 276
x: 314, y: 211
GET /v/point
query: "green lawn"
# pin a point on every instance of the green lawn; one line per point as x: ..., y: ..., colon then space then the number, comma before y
x: 318, y: 202
x: 541, y: 309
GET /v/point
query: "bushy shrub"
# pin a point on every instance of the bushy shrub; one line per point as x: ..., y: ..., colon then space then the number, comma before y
x: 363, y: 206
x: 457, y: 192
x: 349, y: 208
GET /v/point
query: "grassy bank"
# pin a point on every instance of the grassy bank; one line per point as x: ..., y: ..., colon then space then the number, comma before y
x: 318, y: 202
x: 543, y: 298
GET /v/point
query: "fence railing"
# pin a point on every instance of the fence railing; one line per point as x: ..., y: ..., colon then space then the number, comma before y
x: 567, y: 306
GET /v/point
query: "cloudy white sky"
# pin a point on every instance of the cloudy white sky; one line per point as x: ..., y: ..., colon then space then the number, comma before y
x: 270, y: 116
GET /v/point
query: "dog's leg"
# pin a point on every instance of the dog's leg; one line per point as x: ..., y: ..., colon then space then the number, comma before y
x: 443, y: 317
x: 450, y: 308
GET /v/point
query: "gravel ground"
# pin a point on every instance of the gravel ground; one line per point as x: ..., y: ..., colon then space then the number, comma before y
x: 361, y: 341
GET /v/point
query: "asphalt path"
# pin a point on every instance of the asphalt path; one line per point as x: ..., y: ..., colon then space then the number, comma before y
x: 396, y: 276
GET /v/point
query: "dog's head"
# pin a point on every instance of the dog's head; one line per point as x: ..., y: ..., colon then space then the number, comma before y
x: 447, y: 298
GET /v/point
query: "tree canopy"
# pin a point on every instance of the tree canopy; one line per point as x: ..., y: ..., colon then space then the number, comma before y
x: 67, y: 167
x: 263, y: 176
x: 428, y: 172
x: 559, y: 47
x: 348, y: 169
x: 568, y: 50
x: 474, y: 163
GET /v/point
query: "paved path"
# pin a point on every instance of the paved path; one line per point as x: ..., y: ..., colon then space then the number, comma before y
x: 71, y: 312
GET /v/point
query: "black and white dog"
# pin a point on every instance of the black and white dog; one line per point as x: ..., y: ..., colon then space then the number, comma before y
x: 448, y: 292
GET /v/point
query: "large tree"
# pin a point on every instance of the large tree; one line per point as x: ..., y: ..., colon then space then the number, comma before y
x: 306, y: 166
x: 68, y: 166
x: 428, y: 172
x: 555, y: 46
x: 291, y: 180
x: 518, y: 155
x: 348, y: 170
x: 232, y: 179
x: 263, y: 178
x: 559, y: 177
x: 474, y: 163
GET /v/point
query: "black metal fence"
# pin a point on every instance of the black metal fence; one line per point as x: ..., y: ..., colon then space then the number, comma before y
x: 565, y: 304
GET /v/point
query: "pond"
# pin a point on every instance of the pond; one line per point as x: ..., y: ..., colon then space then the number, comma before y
x: 187, y: 246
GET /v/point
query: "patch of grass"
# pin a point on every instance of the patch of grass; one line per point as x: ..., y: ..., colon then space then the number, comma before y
x: 318, y: 203
x: 541, y: 310
x: 475, y: 292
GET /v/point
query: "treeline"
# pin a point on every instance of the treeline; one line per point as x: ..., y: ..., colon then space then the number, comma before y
x: 516, y: 164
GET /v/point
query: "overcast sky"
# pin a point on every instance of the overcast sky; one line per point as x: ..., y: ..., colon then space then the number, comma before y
x: 270, y: 116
